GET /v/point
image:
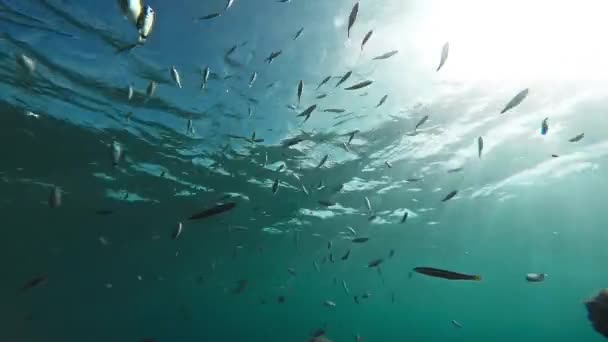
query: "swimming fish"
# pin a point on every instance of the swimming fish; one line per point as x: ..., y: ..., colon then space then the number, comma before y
x: 368, y: 35
x: 346, y: 255
x: 334, y: 110
x: 359, y: 85
x: 26, y: 63
x: 352, y: 136
x: 535, y: 277
x: 275, y: 186
x: 218, y: 209
x: 323, y: 161
x: 352, y: 18
x: 368, y: 204
x: 252, y: 79
x: 329, y: 244
x: 577, y: 138
x: 228, y: 4
x: 391, y: 253
x: 344, y: 78
x: 211, y: 16
x: 300, y: 90
x: 145, y: 22
x: 35, y: 282
x: 386, y: 55
x: 116, y: 153
x: 55, y: 198
x: 307, y: 112
x: 352, y: 230
x: 388, y: 164
x: 479, y: 146
x: 175, y: 77
x: 515, y: 101
x: 360, y: 239
x: 404, y: 218
x: 206, y: 74
x: 230, y: 51
x: 329, y: 303
x: 449, y: 196
x: 150, y: 90
x: 331, y: 258
x: 456, y: 323
x: 437, y: 273
x: 375, y: 263
x: 291, y: 271
x: 345, y: 287
x: 130, y: 92
x: 444, y: 55
x: 454, y: 170
x: 382, y: 100
x: 272, y: 56
x: 298, y: 34
x: 316, y: 266
x: 326, y: 203
x: 131, y: 9
x: 345, y: 147
x: 177, y: 232
x: 421, y: 122
x: 325, y: 80
x: 544, y: 127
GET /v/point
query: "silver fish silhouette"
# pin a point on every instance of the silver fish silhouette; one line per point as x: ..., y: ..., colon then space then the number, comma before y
x: 515, y: 101
x: 145, y: 22
x: 479, y: 146
x: 352, y: 18
x: 444, y: 55
x: 368, y: 35
x: 386, y: 55
x: 175, y: 77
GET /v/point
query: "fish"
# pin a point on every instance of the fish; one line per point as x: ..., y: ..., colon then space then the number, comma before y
x: 345, y: 147
x: 344, y: 78
x: 325, y: 80
x: 368, y: 204
x: 145, y: 22
x: 130, y: 92
x: 413, y: 180
x: 131, y: 9
x: 307, y: 112
x: 404, y: 218
x: 300, y: 90
x: 544, y: 127
x: 272, y: 56
x: 421, y: 122
x: 386, y: 55
x: 554, y: 155
x: 305, y: 190
x: 206, y: 74
x: 280, y: 168
x: 352, y: 230
x: 215, y: 210
x: 26, y: 63
x: 331, y: 258
x: 291, y: 141
x: 444, y: 55
x: 577, y: 138
x: 391, y: 253
x: 329, y: 304
x: 535, y: 277
x: 298, y: 34
x: 329, y: 244
x: 375, y: 263
x: 382, y: 101
x: 368, y: 35
x: 326, y: 203
x: 449, y: 196
x: 352, y: 136
x: 515, y: 101
x: 211, y: 16
x: 230, y: 51
x: 55, y: 198
x: 479, y: 146
x: 345, y: 287
x: 352, y: 18
x: 316, y: 266
x: 438, y: 273
x: 334, y: 110
x: 190, y: 127
x: 456, y: 323
x: 150, y: 89
x: 346, y: 255
x: 323, y: 161
x: 175, y: 77
x: 35, y: 282
x: 116, y: 153
x: 356, y: 299
x: 359, y: 85
x: 291, y: 271
x: 388, y: 164
x: 360, y: 240
x: 275, y: 186
x: 228, y: 4
x: 454, y: 170
x: 177, y: 232
x: 252, y: 79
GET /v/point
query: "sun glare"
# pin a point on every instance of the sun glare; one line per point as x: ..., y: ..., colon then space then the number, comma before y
x: 517, y: 40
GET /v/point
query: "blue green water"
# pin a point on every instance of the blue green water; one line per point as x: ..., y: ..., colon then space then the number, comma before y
x: 113, y: 272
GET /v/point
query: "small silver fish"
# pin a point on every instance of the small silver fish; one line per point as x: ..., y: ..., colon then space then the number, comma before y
x: 130, y: 92
x: 292, y: 271
x: 456, y: 323
x: 175, y: 77
x: 178, y: 231
x: 275, y: 186
x: 300, y: 90
x: 516, y: 100
x: 386, y: 55
x: 325, y: 80
x: 368, y: 35
x: 254, y: 76
x: 359, y: 85
x: 368, y: 204
x: 345, y: 287
x: 298, y: 34
x: 26, y: 63
x: 316, y: 266
x: 190, y: 127
x: 206, y: 74
x: 479, y: 146
x: 535, y: 277
x: 131, y: 9
x: 305, y: 190
x: 344, y: 78
x: 116, y: 153
x: 382, y: 101
x: 345, y: 147
x: 55, y: 198
x: 444, y: 55
x: 151, y: 89
x: 352, y: 18
x: 544, y: 127
x: 323, y: 161
x: 577, y: 138
x: 421, y: 122
x: 388, y: 164
x: 228, y: 4
x: 352, y: 230
x: 145, y: 22
x: 329, y: 304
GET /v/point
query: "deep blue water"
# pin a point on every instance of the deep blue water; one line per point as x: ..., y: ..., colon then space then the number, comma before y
x: 109, y: 268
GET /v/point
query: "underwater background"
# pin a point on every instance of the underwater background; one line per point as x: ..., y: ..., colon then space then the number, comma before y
x: 104, y: 262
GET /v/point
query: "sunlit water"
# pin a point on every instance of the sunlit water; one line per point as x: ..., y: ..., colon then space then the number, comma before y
x: 113, y: 271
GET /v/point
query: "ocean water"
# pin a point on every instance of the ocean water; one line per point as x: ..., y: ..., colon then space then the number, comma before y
x: 108, y: 267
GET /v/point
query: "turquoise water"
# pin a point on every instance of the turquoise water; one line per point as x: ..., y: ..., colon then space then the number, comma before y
x: 110, y: 268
